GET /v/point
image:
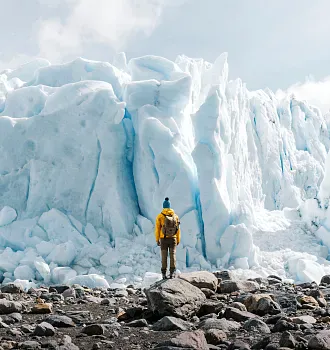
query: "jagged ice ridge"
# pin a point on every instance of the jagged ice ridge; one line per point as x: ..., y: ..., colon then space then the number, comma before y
x: 90, y: 149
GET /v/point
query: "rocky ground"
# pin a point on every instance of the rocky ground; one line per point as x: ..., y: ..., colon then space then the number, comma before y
x: 198, y: 311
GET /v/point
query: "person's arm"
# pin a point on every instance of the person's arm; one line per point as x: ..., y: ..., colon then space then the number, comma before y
x: 178, y: 234
x: 158, y: 227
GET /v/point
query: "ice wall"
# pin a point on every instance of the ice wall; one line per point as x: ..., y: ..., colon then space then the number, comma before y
x: 90, y: 149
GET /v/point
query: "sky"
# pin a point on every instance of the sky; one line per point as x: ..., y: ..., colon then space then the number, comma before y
x: 271, y: 43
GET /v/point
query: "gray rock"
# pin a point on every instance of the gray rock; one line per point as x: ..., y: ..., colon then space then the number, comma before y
x: 272, y: 346
x: 138, y: 323
x: 238, y: 306
x: 29, y: 345
x: 320, y: 341
x: 256, y: 325
x: 12, y: 289
x: 262, y: 344
x: 262, y: 304
x: 287, y: 340
x: 208, y: 292
x: 175, y: 297
x: 12, y: 318
x: 108, y: 301
x: 227, y: 287
x: 238, y: 315
x: 27, y: 329
x: 305, y: 319
x: 169, y: 323
x: 210, y: 307
x: 69, y: 293
x: 325, y: 279
x: 215, y: 336
x: 201, y: 279
x: 186, y: 340
x: 238, y: 345
x: 283, y: 325
x: 44, y: 329
x: 222, y: 324
x: 60, y: 321
x: 9, y: 307
x: 223, y: 275
x: 59, y: 288
x: 93, y: 329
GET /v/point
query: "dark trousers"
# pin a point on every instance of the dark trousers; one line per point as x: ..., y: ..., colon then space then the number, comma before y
x: 168, y: 245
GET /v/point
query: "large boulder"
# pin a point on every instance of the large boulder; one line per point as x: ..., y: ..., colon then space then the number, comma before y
x: 320, y: 341
x: 262, y: 304
x: 186, y: 340
x: 174, y: 297
x: 201, y: 279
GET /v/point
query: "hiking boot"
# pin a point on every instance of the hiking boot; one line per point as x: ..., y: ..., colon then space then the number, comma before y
x: 172, y: 275
x: 164, y: 276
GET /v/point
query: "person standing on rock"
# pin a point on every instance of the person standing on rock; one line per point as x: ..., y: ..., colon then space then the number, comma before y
x: 167, y: 232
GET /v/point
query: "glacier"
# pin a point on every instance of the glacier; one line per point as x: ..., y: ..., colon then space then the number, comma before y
x: 90, y: 149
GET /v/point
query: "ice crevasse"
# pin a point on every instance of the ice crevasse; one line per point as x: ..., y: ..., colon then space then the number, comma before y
x: 90, y: 149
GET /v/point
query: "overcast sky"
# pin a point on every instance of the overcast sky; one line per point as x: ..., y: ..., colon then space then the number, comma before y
x: 271, y: 43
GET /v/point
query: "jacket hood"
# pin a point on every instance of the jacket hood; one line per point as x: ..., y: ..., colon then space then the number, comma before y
x: 168, y: 212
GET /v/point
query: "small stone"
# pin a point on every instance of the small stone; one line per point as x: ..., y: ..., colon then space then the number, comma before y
x: 169, y: 323
x: 93, y: 329
x: 210, y: 306
x: 44, y: 329
x: 238, y: 306
x: 238, y: 345
x: 308, y: 300
x: 59, y: 288
x: 27, y: 329
x: 9, y: 307
x: 283, y: 325
x: 262, y: 344
x: 12, y: 289
x: 215, y: 336
x: 208, y: 292
x: 256, y: 325
x: 238, y: 315
x: 59, y: 321
x: 262, y: 304
x: 186, y: 340
x: 138, y: 323
x: 29, y: 345
x: 69, y: 293
x: 107, y: 301
x: 287, y: 340
x: 303, y: 319
x: 42, y: 309
x: 228, y: 287
x: 12, y: 318
x: 320, y: 341
x: 325, y: 279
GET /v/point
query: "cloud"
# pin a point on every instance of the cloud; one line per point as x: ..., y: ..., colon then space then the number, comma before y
x: 317, y: 93
x: 110, y: 22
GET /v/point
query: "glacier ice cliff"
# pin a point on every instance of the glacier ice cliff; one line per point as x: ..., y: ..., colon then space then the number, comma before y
x: 90, y: 149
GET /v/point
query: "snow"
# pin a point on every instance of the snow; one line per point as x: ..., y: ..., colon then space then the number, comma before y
x: 90, y: 149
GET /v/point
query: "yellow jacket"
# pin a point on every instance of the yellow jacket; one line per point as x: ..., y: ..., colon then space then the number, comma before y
x: 160, y: 221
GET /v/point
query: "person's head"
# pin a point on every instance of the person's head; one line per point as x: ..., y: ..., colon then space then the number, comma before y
x: 166, y: 203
